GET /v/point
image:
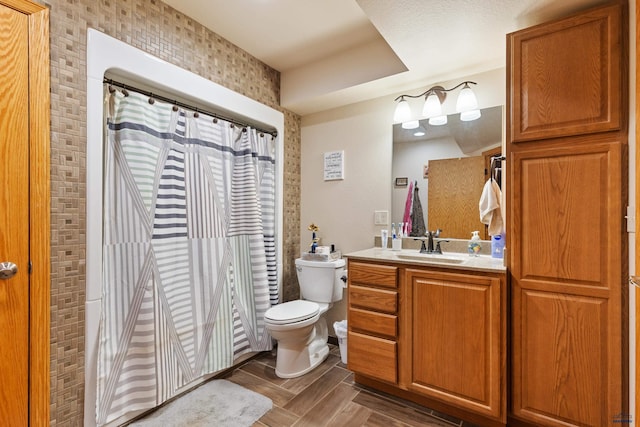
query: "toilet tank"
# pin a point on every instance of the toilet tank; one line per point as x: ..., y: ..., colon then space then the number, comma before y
x: 320, y: 281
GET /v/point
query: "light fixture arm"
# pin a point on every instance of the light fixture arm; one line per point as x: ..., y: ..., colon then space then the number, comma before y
x: 438, y: 90
x: 466, y: 105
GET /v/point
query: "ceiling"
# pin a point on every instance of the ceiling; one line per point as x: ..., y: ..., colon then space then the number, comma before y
x: 332, y: 53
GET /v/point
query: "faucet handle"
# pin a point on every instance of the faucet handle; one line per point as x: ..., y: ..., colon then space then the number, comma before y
x: 438, y: 249
x: 423, y: 248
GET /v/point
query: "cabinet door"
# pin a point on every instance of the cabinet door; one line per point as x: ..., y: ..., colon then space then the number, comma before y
x: 568, y: 281
x: 566, y: 77
x: 457, y: 343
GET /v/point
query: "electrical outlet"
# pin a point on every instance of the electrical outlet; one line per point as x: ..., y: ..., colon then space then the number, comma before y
x: 381, y: 217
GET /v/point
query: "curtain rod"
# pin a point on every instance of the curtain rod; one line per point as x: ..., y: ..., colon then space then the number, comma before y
x: 273, y: 133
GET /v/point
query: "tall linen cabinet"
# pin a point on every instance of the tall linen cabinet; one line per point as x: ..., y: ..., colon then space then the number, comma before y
x: 566, y: 200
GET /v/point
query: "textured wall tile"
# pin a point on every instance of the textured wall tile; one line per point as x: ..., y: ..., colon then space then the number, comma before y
x: 154, y: 27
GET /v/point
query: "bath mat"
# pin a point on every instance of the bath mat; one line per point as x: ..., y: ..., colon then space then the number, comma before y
x: 218, y: 403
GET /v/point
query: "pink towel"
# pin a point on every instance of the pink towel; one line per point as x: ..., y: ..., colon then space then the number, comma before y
x: 408, y: 206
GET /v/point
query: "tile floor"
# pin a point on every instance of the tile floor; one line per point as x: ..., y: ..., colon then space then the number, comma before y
x: 327, y: 396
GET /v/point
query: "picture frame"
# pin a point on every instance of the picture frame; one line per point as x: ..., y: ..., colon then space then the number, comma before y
x: 334, y: 165
x: 402, y: 182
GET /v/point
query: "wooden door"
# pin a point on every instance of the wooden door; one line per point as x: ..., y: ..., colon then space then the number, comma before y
x: 14, y: 216
x: 24, y: 214
x: 455, y: 187
x: 636, y: 416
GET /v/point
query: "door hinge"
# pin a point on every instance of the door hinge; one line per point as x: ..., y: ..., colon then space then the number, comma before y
x: 30, y: 267
x: 631, y: 219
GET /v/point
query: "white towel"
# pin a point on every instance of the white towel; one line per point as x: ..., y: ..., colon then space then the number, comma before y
x: 490, y: 212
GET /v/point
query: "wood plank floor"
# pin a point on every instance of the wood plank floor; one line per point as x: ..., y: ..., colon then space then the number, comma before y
x: 327, y: 396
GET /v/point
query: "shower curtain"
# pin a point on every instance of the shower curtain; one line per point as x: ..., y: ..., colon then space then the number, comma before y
x: 189, y: 260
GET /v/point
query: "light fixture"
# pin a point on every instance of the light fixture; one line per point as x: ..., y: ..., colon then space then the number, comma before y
x: 466, y: 100
x: 420, y: 131
x: 433, y: 102
x: 403, y: 111
x: 467, y: 116
x: 432, y: 108
x: 438, y: 120
x: 411, y: 124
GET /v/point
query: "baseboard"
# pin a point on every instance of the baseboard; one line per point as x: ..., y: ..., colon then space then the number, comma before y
x: 332, y: 340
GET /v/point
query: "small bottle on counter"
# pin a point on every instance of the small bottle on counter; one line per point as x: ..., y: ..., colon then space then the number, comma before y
x: 497, y: 245
x: 475, y: 245
x: 384, y: 238
x: 396, y: 240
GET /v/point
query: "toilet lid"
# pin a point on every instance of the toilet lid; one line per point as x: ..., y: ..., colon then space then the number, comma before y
x: 292, y: 311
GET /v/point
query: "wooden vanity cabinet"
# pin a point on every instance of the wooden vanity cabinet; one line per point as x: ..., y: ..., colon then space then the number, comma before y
x: 431, y: 335
x: 372, y: 320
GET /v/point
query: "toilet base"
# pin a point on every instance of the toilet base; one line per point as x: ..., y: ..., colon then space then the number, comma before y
x: 314, y: 359
x: 296, y: 357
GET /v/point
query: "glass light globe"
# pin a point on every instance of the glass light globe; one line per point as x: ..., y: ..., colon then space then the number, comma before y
x: 466, y: 100
x: 438, y: 121
x: 467, y: 116
x: 403, y: 111
x: 432, y: 106
x: 412, y: 124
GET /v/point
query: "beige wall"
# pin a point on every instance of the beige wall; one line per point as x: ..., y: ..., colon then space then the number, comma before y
x: 154, y: 27
x: 344, y: 210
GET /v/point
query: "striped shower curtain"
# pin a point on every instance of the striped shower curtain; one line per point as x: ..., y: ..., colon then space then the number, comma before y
x: 189, y: 264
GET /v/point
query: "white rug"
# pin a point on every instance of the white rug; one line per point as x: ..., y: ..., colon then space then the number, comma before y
x: 218, y: 403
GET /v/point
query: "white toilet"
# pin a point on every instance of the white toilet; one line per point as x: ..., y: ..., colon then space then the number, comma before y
x: 299, y: 326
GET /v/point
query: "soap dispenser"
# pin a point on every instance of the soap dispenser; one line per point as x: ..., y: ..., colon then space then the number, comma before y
x: 474, y: 244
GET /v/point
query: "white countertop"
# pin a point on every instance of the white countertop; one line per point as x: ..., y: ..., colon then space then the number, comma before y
x: 453, y: 260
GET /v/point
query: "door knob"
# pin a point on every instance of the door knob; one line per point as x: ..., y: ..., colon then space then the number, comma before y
x: 7, y: 270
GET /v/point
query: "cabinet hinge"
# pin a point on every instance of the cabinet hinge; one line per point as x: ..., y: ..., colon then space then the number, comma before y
x: 30, y: 266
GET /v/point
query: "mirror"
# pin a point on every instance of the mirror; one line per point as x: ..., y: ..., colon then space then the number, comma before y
x: 456, y: 186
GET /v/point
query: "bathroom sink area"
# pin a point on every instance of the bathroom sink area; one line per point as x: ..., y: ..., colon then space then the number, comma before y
x: 451, y: 260
x: 431, y: 258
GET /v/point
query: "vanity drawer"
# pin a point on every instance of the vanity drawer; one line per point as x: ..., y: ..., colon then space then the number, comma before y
x: 374, y: 299
x: 377, y: 323
x: 384, y: 276
x: 372, y: 356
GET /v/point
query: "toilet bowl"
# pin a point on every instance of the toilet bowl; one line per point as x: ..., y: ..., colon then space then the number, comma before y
x: 302, y: 339
x: 299, y: 326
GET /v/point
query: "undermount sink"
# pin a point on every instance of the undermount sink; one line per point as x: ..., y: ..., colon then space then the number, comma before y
x: 431, y: 258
